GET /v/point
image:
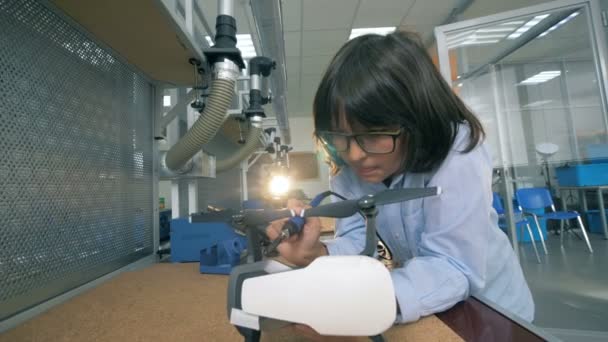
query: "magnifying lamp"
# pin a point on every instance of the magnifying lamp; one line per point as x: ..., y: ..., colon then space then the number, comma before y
x: 279, y: 185
x: 546, y: 150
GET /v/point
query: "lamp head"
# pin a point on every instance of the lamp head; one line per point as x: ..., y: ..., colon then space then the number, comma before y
x: 278, y: 185
x: 546, y: 149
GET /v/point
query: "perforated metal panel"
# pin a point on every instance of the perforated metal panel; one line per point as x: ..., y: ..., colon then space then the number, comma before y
x: 75, y: 158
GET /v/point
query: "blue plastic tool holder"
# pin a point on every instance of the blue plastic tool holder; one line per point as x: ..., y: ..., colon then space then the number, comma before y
x: 223, y: 256
x: 188, y: 239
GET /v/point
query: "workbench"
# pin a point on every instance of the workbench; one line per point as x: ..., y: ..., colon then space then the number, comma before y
x: 583, y: 198
x: 174, y: 302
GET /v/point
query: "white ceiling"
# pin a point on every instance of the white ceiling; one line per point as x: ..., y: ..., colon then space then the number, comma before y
x: 315, y: 30
x: 570, y: 41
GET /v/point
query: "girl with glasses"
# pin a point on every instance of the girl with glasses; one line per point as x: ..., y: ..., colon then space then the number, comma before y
x: 387, y: 119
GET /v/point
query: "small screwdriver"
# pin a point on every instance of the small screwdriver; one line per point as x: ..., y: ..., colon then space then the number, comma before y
x: 291, y: 227
x: 295, y: 224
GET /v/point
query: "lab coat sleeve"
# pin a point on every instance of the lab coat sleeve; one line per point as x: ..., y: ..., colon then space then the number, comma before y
x: 452, y: 250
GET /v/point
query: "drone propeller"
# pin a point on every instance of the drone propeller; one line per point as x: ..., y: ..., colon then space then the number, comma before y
x: 350, y: 207
x: 343, y: 208
x: 256, y: 217
x: 337, y: 209
x: 405, y: 194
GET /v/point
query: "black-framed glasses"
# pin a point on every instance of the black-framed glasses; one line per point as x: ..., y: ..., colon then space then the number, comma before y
x: 370, y: 142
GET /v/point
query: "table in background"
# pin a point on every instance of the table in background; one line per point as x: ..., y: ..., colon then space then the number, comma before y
x: 600, y: 201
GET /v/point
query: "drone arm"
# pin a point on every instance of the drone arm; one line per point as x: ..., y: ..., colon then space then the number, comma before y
x: 350, y: 236
x: 263, y: 217
x: 370, y: 232
x: 254, y: 250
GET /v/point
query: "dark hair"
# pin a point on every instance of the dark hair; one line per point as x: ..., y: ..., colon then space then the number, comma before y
x: 390, y: 80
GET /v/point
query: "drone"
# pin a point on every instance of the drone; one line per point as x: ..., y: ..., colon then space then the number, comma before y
x: 334, y: 295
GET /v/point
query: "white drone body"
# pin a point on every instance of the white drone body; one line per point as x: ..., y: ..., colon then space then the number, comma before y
x: 334, y: 295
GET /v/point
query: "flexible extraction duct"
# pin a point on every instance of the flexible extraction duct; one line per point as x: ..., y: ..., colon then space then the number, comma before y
x: 210, y: 121
x: 258, y: 67
x: 252, y: 143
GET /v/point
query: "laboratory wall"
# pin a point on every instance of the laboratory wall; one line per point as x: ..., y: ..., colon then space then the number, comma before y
x: 76, y: 162
x: 302, y: 129
x: 544, y: 91
x: 566, y: 111
x: 224, y: 191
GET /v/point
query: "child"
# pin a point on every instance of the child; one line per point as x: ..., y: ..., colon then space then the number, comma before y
x: 387, y: 120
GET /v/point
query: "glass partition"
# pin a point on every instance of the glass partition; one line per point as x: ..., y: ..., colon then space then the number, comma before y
x: 533, y: 80
x: 536, y: 77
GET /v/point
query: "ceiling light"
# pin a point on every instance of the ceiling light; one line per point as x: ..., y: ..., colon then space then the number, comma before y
x: 562, y: 22
x: 504, y: 27
x: 537, y: 103
x: 514, y: 22
x: 473, y: 42
x: 487, y: 36
x: 496, y: 29
x: 480, y: 41
x: 375, y: 30
x: 475, y: 37
x: 527, y: 26
x: 243, y: 43
x: 460, y: 35
x: 541, y: 77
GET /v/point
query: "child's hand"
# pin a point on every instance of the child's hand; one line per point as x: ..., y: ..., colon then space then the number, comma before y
x: 303, y: 248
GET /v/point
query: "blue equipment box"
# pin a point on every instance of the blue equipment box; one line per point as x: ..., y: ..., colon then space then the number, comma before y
x: 597, y: 153
x: 583, y: 175
x: 188, y: 239
x: 223, y: 256
x: 595, y: 221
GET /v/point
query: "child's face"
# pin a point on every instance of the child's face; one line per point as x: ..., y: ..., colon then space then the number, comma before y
x: 371, y: 167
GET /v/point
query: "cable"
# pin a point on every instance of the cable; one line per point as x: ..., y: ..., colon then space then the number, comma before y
x: 288, y: 229
x: 296, y: 223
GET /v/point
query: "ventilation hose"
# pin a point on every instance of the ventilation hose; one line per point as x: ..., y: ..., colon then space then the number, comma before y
x: 251, y: 144
x: 210, y: 121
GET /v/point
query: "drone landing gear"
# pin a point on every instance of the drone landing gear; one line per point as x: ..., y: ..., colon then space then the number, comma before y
x: 377, y: 338
x: 250, y: 335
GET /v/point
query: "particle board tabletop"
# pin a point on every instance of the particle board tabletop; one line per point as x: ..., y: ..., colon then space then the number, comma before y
x: 174, y: 302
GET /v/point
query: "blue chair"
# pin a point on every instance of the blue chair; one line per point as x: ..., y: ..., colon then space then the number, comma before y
x: 520, y: 221
x: 540, y: 198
